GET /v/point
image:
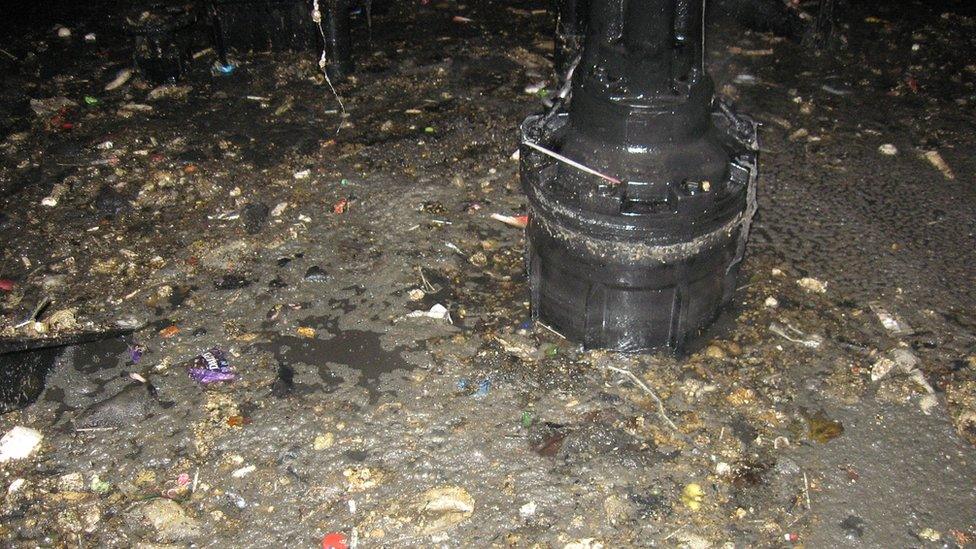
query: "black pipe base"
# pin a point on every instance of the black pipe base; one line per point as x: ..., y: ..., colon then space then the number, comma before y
x: 614, y: 278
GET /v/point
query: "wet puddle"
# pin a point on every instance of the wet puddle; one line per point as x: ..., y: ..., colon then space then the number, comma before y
x: 357, y: 349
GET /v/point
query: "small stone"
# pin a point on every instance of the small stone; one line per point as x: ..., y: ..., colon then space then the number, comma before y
x: 442, y: 508
x: 527, y: 510
x: 416, y: 294
x: 689, y: 540
x: 168, y: 91
x: 303, y: 174
x: 479, y: 259
x: 881, y: 368
x: 323, y: 442
x: 771, y: 302
x: 928, y: 403
x: 99, y: 486
x: 64, y: 32
x: 692, y: 496
x: 71, y: 482
x: 80, y: 518
x: 168, y: 519
x: 714, y: 352
x: 812, y: 285
x: 888, y: 149
x: 733, y: 348
x: 362, y: 478
x: 929, y: 534
x: 306, y: 332
x: 63, y: 320
x: 316, y: 274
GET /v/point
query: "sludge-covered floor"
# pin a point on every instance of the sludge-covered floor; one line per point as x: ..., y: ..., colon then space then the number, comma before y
x: 832, y: 406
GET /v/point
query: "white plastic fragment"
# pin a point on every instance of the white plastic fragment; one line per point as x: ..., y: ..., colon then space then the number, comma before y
x: 16, y: 485
x: 50, y: 105
x: 57, y: 193
x: 519, y: 222
x: 881, y: 368
x: 19, y: 443
x: 940, y: 164
x: 888, y: 149
x: 120, y: 79
x: 535, y: 87
x: 90, y: 37
x: 810, y: 341
x: 584, y: 543
x: 279, y: 209
x: 243, y: 471
x: 527, y: 510
x: 437, y: 312
x: 892, y: 323
x: 901, y: 359
x: 303, y: 174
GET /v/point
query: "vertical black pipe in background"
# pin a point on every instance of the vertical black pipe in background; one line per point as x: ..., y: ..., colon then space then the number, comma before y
x: 338, y: 42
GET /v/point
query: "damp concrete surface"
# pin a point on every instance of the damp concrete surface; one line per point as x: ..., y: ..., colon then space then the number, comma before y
x: 833, y: 406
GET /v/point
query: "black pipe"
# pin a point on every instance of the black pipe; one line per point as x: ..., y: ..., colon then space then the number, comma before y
x: 645, y: 254
x: 338, y: 42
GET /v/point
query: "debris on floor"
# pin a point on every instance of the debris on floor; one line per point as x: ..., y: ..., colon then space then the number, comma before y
x: 19, y: 443
x: 245, y: 329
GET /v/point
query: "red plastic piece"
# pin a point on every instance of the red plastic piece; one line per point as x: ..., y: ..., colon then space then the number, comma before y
x: 334, y: 540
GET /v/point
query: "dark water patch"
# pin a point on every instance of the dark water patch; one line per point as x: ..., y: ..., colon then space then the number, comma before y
x: 100, y: 355
x: 357, y: 349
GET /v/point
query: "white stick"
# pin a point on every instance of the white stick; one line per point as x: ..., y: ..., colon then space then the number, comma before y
x: 648, y: 390
x: 572, y: 163
x: 508, y: 220
x: 806, y: 490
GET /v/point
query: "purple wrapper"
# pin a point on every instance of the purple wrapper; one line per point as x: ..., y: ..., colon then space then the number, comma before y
x: 203, y: 375
x: 135, y: 353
